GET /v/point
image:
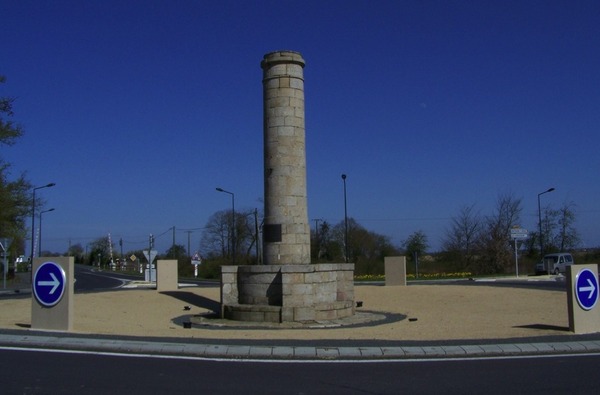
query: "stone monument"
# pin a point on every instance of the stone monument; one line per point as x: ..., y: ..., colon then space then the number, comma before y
x: 287, y: 288
x: 286, y: 231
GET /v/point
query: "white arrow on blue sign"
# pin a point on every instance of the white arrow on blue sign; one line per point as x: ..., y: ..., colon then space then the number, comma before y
x: 586, y: 289
x: 49, y: 282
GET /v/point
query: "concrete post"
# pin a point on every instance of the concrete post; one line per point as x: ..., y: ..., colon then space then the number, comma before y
x: 286, y: 231
x: 395, y: 270
x: 58, y: 317
x: 167, y: 275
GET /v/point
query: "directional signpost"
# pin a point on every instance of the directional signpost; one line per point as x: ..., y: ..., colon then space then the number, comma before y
x: 582, y: 298
x: 150, y: 255
x: 49, y: 284
x: 586, y: 289
x: 196, y: 260
x: 518, y: 234
x: 4, y: 247
x: 52, y: 286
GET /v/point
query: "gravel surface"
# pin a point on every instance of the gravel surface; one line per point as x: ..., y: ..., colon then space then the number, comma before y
x: 417, y: 312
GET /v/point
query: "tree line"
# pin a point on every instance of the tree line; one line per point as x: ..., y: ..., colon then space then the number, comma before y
x: 482, y: 244
x: 15, y: 190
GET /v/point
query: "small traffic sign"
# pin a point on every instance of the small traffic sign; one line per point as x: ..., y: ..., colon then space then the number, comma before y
x: 518, y: 233
x: 49, y: 281
x: 150, y: 255
x: 196, y: 259
x: 586, y: 289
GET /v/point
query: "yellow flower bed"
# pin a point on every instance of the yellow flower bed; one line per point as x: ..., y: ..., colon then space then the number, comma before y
x: 410, y: 276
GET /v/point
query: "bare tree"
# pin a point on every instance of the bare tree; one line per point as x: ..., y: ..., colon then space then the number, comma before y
x: 416, y: 243
x: 463, y: 237
x: 99, y: 252
x: 496, y: 244
x: 218, y: 238
x: 549, y: 228
x: 567, y: 237
x: 558, y: 229
x: 14, y: 193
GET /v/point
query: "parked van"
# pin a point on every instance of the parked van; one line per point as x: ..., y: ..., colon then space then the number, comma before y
x: 554, y: 263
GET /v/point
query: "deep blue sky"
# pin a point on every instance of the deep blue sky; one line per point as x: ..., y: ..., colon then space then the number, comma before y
x: 137, y: 110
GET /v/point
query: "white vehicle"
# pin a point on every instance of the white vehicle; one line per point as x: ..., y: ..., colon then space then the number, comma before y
x: 554, y: 263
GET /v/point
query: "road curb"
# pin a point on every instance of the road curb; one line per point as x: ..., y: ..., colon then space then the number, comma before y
x: 258, y: 351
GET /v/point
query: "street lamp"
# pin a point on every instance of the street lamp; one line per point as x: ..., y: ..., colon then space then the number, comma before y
x: 345, y: 220
x: 540, y: 221
x: 33, y: 217
x: 232, y: 222
x: 40, y: 236
x: 4, y: 246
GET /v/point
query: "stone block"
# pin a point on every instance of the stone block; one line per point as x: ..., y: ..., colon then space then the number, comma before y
x: 326, y: 289
x: 271, y: 316
x: 258, y: 278
x: 294, y: 121
x: 296, y: 83
x: 304, y: 314
x: 228, y: 278
x: 278, y: 69
x: 272, y: 84
x: 320, y: 277
x: 323, y: 315
x: 277, y: 102
x: 293, y: 278
x: 344, y: 296
x: 298, y: 104
x: 284, y: 82
x: 287, y: 314
x: 286, y: 92
x: 284, y: 129
x: 299, y: 289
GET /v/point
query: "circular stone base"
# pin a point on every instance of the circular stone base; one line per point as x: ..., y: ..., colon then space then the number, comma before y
x: 362, y: 318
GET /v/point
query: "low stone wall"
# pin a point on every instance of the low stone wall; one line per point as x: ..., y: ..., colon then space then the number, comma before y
x: 287, y: 293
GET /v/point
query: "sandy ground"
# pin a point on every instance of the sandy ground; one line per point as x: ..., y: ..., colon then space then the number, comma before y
x: 436, y: 312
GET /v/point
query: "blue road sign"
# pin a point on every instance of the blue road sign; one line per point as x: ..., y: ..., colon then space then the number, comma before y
x: 586, y: 289
x: 49, y: 282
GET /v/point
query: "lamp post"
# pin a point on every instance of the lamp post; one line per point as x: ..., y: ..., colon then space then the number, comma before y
x: 540, y: 221
x: 4, y: 246
x: 40, y: 237
x: 232, y: 222
x: 345, y: 220
x: 33, y: 217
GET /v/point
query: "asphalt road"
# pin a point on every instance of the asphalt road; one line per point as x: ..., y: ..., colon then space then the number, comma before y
x: 88, y: 279
x: 39, y: 372
x: 92, y: 279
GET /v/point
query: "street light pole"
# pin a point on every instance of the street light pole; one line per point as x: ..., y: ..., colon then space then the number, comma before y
x: 345, y: 220
x: 40, y: 237
x: 33, y: 217
x: 540, y: 221
x: 232, y: 222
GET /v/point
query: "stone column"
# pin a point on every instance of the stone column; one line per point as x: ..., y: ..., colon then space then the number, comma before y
x: 286, y: 231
